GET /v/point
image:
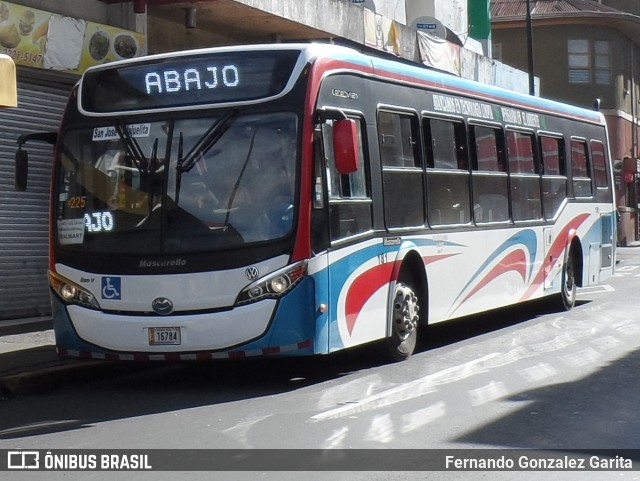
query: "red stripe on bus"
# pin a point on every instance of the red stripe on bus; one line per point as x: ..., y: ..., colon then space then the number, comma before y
x: 364, y: 287
x: 514, y: 261
x: 553, y: 254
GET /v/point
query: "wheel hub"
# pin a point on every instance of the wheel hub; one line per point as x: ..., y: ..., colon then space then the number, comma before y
x: 405, y: 311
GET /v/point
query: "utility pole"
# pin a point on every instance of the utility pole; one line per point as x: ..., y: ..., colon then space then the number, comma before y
x: 529, y: 26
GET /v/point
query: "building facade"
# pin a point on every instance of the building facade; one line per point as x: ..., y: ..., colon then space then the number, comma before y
x: 585, y: 52
x: 35, y: 34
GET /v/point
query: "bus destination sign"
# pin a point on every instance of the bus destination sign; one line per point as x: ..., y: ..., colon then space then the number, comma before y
x: 187, y: 81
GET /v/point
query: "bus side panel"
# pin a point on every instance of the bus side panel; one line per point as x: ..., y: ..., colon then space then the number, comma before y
x: 359, y: 279
x: 470, y: 272
x: 67, y: 339
x: 598, y: 251
x: 293, y: 322
x: 474, y: 271
x: 320, y: 274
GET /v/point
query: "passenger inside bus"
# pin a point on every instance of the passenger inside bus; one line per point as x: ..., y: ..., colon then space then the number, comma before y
x: 246, y: 185
x: 269, y: 185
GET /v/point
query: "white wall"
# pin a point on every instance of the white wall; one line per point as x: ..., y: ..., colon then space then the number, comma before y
x: 393, y: 9
x: 452, y: 13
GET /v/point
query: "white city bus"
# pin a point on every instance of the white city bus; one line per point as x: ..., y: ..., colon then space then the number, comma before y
x: 298, y: 199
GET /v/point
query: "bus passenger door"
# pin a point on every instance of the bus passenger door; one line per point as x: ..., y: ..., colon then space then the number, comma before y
x: 594, y: 264
x: 600, y: 264
x: 343, y: 198
x: 608, y: 221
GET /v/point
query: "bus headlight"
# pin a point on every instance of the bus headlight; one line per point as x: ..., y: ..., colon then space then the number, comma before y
x: 72, y: 293
x: 273, y: 285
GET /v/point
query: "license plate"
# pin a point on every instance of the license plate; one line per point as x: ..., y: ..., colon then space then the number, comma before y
x: 164, y: 336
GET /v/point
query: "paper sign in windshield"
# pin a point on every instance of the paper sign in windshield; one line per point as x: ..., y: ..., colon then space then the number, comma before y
x: 110, y: 132
x: 71, y: 231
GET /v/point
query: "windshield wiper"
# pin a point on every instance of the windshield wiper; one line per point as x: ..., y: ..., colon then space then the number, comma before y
x: 147, y: 168
x: 206, y: 142
x: 132, y: 146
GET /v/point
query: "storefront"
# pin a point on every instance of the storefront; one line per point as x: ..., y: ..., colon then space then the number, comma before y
x: 50, y: 52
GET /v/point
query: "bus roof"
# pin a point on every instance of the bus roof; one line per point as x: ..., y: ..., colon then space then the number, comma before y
x: 449, y: 83
x: 350, y: 59
x: 8, y: 92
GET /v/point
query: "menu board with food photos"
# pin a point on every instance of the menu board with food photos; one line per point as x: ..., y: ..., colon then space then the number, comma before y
x: 45, y: 40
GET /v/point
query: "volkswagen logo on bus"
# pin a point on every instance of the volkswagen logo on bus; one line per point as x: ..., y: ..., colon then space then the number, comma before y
x: 162, y: 306
x: 252, y: 273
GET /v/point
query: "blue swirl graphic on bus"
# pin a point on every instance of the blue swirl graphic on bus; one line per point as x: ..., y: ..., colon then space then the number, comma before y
x: 526, y: 238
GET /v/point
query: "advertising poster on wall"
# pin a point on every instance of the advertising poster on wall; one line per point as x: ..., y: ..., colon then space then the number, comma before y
x: 381, y: 32
x: 40, y: 39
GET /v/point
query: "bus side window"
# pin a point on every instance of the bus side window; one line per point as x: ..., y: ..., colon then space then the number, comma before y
x: 554, y: 179
x: 448, y: 194
x: 489, y: 176
x: 402, y: 181
x: 350, y: 206
x: 600, y: 172
x: 580, y: 169
x: 526, y: 203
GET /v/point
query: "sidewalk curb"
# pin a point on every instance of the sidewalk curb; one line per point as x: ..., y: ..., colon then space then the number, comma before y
x: 47, y: 378
x: 24, y: 326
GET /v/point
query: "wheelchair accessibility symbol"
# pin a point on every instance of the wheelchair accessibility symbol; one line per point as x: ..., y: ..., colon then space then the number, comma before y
x: 111, y: 288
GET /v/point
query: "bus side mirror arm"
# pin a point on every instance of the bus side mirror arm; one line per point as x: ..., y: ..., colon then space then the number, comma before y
x: 325, y: 114
x: 22, y: 157
x: 48, y: 137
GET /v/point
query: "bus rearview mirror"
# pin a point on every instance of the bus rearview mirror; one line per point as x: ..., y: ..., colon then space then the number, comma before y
x: 21, y: 172
x: 22, y: 158
x: 345, y: 146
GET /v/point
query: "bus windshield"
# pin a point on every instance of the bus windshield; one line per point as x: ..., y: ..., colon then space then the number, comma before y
x: 171, y: 186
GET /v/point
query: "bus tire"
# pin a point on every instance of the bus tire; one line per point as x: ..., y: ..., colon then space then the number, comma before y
x: 405, y: 318
x: 568, y: 287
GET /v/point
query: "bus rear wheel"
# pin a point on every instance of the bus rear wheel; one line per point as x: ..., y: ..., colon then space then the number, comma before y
x: 568, y: 291
x: 404, y: 322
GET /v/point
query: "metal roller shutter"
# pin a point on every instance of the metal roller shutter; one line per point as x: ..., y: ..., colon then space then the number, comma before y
x: 24, y: 233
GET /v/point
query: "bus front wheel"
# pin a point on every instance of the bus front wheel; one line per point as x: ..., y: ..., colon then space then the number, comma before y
x: 404, y: 322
